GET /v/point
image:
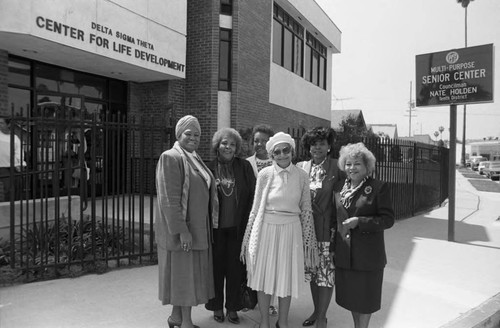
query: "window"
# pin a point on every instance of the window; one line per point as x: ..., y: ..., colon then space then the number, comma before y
x: 226, y: 7
x: 44, y: 82
x: 288, y: 41
x: 19, y: 87
x: 225, y: 60
x: 315, y: 61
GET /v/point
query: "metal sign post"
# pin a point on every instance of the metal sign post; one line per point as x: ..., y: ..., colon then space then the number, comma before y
x: 451, y: 172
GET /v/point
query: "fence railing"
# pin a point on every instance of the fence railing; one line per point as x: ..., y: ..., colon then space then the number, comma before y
x: 86, y: 195
x: 84, y: 200
x: 417, y: 173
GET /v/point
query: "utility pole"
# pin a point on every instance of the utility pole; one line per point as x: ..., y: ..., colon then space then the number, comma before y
x: 465, y: 5
x: 411, y: 106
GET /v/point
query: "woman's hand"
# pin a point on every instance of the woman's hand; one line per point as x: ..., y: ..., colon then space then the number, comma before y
x: 351, y: 223
x: 186, y: 241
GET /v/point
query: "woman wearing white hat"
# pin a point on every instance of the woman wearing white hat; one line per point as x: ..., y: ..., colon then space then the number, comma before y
x: 280, y: 240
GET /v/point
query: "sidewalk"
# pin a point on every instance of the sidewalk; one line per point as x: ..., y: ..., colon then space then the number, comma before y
x: 428, y: 283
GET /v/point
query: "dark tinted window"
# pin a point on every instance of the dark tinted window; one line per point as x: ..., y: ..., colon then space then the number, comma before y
x: 19, y: 72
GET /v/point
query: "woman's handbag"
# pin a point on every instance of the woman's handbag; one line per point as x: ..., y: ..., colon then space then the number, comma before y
x: 248, y: 297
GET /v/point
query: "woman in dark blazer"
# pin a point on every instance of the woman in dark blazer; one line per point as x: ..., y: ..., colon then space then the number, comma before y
x: 235, y: 182
x: 323, y: 173
x: 186, y: 212
x: 364, y: 211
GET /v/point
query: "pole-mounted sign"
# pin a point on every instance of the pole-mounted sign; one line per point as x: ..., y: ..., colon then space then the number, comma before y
x: 458, y: 76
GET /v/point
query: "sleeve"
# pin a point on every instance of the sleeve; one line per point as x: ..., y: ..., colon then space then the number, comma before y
x: 308, y: 232
x: 251, y: 179
x: 261, y: 180
x: 384, y: 216
x: 169, y: 181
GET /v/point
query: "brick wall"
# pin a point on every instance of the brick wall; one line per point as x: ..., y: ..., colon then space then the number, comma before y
x: 4, y: 69
x: 155, y: 102
x: 202, y: 62
x: 252, y: 24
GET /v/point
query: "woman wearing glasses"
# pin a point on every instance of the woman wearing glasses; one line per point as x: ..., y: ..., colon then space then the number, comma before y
x: 280, y: 240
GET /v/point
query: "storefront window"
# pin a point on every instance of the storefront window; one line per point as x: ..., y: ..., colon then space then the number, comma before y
x: 19, y: 102
x: 19, y: 72
x: 48, y: 78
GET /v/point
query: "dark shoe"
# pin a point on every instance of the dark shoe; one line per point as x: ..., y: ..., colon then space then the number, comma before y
x: 219, y: 317
x: 232, y: 317
x: 172, y: 323
x: 308, y: 322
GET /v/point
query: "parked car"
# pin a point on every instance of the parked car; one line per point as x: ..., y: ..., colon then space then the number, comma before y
x: 493, y: 171
x: 482, y: 166
x: 474, y: 161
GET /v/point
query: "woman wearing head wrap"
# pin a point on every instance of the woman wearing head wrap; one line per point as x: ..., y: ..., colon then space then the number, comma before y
x: 280, y: 241
x: 364, y: 211
x: 187, y: 211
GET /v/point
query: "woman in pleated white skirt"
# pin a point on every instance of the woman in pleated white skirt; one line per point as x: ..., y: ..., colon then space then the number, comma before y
x: 280, y: 241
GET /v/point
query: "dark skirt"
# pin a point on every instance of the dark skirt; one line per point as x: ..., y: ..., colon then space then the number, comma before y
x: 359, y: 291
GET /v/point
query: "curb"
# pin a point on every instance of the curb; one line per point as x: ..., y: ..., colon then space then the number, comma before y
x: 486, y: 315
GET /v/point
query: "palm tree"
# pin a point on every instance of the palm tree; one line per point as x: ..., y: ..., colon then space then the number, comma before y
x: 441, y: 129
x: 465, y: 4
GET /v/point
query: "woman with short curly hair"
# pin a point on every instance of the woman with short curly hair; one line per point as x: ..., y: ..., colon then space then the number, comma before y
x: 364, y: 211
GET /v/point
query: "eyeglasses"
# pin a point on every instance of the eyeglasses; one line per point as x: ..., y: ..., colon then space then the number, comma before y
x: 284, y: 150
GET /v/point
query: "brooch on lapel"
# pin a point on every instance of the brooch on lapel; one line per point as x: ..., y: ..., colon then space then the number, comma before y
x: 368, y: 190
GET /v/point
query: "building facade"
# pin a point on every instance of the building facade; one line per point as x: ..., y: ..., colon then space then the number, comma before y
x: 230, y: 63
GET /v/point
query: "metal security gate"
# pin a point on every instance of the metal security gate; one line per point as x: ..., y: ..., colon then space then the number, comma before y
x: 84, y: 200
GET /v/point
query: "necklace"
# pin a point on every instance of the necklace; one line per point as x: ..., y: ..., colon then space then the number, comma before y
x: 224, y: 180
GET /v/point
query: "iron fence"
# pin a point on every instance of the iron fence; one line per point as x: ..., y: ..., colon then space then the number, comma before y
x: 417, y: 173
x: 84, y: 199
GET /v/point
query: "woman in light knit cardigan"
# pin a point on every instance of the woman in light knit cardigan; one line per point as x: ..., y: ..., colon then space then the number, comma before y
x: 280, y: 240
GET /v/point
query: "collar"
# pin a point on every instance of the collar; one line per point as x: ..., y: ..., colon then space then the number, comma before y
x: 279, y: 169
x: 320, y: 164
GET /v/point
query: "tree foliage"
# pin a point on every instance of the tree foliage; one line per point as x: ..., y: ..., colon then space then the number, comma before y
x: 351, y: 130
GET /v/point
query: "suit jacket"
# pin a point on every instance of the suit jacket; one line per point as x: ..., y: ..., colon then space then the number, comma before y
x: 181, y: 189
x: 363, y: 247
x: 324, y: 212
x: 245, y: 187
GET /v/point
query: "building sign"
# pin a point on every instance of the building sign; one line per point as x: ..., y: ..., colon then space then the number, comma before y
x: 125, y: 37
x: 116, y: 41
x: 458, y: 76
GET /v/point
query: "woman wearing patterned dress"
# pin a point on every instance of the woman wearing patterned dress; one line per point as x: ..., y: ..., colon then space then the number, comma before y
x: 280, y: 242
x: 323, y: 174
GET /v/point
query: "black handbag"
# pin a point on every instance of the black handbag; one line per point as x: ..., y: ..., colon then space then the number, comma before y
x: 248, y: 297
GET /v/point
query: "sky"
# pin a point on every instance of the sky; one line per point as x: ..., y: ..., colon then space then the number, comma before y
x: 376, y: 65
